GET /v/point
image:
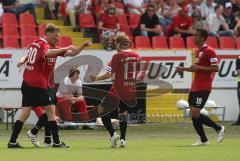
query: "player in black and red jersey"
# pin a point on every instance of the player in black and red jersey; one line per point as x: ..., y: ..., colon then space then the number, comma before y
x: 125, y: 66
x: 206, y: 64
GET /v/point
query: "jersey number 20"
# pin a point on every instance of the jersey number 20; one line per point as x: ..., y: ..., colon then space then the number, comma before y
x: 32, y: 55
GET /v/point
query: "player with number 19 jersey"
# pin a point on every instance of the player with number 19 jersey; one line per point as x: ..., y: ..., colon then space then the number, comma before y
x: 34, y: 72
x: 126, y: 66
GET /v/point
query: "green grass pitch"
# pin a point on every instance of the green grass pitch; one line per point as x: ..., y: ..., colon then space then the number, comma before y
x: 146, y: 142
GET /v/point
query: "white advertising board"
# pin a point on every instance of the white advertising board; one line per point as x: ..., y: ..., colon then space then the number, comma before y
x: 95, y: 61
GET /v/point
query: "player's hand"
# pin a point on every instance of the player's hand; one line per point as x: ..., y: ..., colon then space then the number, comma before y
x: 87, y: 43
x: 19, y: 64
x: 100, y: 109
x: 179, y: 69
x: 93, y: 77
x: 80, y: 98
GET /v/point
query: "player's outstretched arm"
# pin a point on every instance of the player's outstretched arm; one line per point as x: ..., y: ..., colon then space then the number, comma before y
x: 106, y: 75
x: 213, y: 68
x: 184, y: 69
x: 22, y: 61
x: 72, y: 53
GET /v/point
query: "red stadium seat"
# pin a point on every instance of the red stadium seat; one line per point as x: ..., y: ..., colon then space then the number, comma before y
x: 126, y: 29
x: 122, y: 19
x: 119, y: 5
x: 28, y: 30
x: 41, y: 30
x: 238, y: 43
x: 9, y: 18
x: 10, y: 30
x: 159, y: 42
x: 212, y: 41
x: 26, y: 41
x: 86, y: 21
x: 176, y: 42
x: 26, y: 19
x: 134, y: 20
x: 142, y: 42
x: 64, y: 41
x: 190, y: 44
x: 226, y: 42
x: 10, y: 42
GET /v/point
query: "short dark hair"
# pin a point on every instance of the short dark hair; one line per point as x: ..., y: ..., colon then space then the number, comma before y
x: 217, y: 7
x: 203, y: 33
x: 72, y: 72
x: 51, y: 28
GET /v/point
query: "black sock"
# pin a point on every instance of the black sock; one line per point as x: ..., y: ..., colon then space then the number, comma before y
x: 48, y: 137
x: 41, y: 122
x: 207, y: 121
x: 108, y: 124
x: 123, y: 125
x: 16, y: 130
x: 199, y: 129
x: 54, y: 130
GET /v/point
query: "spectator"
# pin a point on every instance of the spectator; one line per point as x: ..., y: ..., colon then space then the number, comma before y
x: 135, y: 6
x: 170, y: 10
x: 232, y: 21
x: 207, y: 8
x: 183, y: 3
x: 149, y: 23
x: 194, y: 8
x: 75, y: 7
x: 69, y: 96
x: 109, y: 27
x: 50, y: 8
x: 215, y: 21
x: 101, y: 6
x: 198, y: 23
x: 1, y: 12
x: 182, y: 24
x: 236, y: 8
x: 13, y: 6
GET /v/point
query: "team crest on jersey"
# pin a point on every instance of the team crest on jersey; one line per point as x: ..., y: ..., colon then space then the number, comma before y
x: 197, y: 60
x: 200, y: 54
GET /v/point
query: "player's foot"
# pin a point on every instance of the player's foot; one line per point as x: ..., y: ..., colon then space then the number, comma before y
x: 123, y: 143
x: 14, y: 145
x: 48, y: 141
x: 33, y: 139
x: 114, y: 140
x: 220, y: 134
x: 200, y: 143
x: 60, y: 145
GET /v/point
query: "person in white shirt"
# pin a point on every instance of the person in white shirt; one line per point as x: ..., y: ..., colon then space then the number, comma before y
x: 135, y: 6
x: 207, y: 8
x: 75, y: 7
x: 216, y: 20
x: 69, y: 95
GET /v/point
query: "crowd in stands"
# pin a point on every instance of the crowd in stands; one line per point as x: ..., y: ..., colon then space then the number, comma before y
x: 142, y: 17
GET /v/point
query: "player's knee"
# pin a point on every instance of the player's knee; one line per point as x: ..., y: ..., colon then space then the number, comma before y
x: 24, y: 114
x: 195, y: 113
x: 123, y: 117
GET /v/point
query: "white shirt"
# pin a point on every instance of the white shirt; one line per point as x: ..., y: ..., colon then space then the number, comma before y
x: 72, y: 3
x: 68, y: 87
x: 214, y: 22
x: 207, y: 10
x: 137, y: 3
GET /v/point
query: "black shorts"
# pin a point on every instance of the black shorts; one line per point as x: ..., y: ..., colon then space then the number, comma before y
x: 111, y: 103
x: 33, y: 96
x: 198, y: 99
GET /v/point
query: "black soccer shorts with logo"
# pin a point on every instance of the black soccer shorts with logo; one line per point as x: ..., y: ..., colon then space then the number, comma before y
x: 198, y: 99
x: 33, y: 96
